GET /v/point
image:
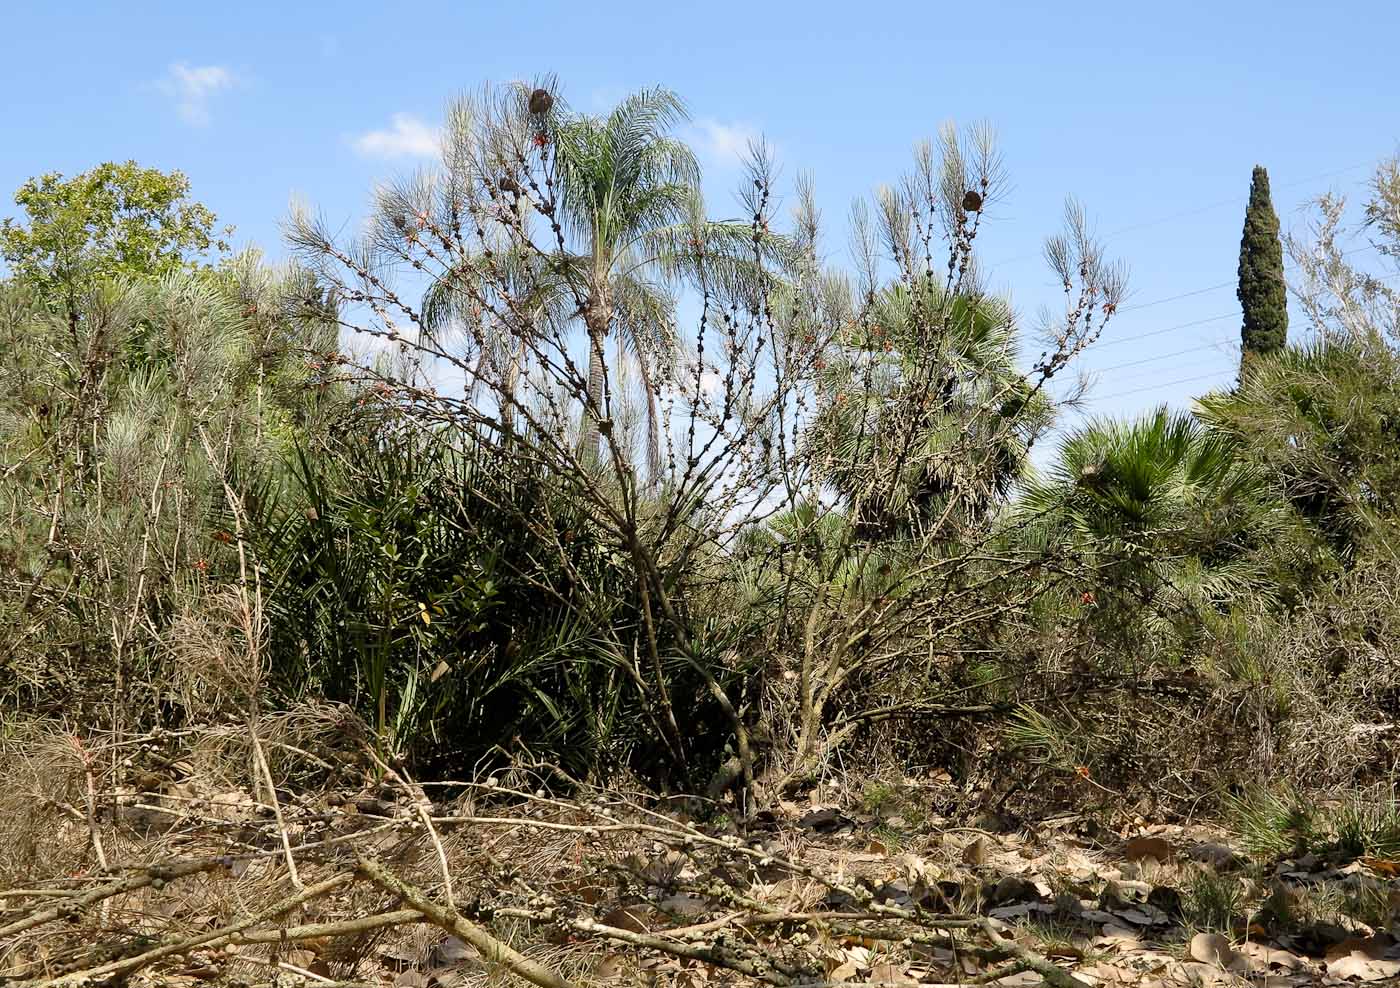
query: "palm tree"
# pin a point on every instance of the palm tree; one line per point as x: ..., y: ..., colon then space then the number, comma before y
x: 924, y: 403
x: 632, y: 231
x: 512, y: 276
x: 1165, y: 513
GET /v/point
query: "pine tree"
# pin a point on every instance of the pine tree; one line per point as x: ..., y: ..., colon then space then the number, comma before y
x: 1261, y: 292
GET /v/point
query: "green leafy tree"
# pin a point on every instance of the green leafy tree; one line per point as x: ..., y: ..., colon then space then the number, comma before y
x: 115, y: 219
x: 1262, y: 293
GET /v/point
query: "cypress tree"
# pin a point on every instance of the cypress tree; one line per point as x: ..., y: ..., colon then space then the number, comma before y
x: 1261, y: 292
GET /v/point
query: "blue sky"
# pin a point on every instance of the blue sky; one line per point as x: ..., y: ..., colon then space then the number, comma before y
x: 1151, y: 115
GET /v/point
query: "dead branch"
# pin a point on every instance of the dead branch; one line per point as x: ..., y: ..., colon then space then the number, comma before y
x: 493, y: 950
x: 213, y: 938
x: 71, y: 908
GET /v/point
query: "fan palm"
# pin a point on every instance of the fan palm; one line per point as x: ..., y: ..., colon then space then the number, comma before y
x: 924, y: 403
x: 1324, y: 420
x: 1157, y: 503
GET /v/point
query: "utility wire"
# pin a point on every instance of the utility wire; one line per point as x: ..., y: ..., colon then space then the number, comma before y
x: 1196, y: 211
x: 1233, y: 200
x: 1155, y: 373
x: 1160, y: 356
x: 1157, y: 387
x: 1216, y: 288
x: 1198, y: 322
x: 1165, y: 329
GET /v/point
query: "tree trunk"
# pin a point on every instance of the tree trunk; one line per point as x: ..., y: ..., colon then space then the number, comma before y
x: 653, y: 423
x: 597, y: 316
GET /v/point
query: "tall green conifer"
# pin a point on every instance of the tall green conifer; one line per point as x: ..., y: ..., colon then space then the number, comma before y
x: 1262, y: 294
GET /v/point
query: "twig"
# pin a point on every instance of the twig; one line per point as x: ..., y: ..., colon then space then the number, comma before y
x: 493, y: 950
x: 90, y: 805
x: 223, y: 935
x: 1033, y: 962
x: 272, y: 797
x: 424, y: 808
x: 77, y: 903
x: 761, y: 967
x: 341, y: 928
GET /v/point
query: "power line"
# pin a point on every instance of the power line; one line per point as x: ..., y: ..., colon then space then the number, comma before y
x: 1167, y: 329
x: 1179, y: 326
x: 1216, y: 288
x: 1198, y: 322
x: 1162, y: 356
x: 1174, y: 298
x: 1184, y: 367
x: 1195, y: 211
x: 1158, y: 387
x: 1233, y: 200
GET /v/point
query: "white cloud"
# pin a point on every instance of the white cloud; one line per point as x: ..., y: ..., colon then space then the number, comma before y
x: 190, y: 86
x: 723, y: 144
x: 407, y: 137
x: 711, y: 383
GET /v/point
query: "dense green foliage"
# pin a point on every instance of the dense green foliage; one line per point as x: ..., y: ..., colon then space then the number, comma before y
x: 1170, y: 520
x: 1262, y: 291
x: 827, y: 538
x: 1323, y: 423
x: 405, y: 581
x: 117, y: 219
x: 900, y: 438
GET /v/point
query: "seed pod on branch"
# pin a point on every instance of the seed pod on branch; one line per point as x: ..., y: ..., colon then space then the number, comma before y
x: 541, y: 102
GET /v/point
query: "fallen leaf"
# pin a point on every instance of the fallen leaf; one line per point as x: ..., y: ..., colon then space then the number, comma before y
x: 1266, y: 957
x: 1023, y: 978
x: 825, y: 821
x: 1136, y: 916
x: 887, y: 972
x: 1381, y: 866
x: 1012, y: 889
x: 1211, y: 948
x: 844, y: 972
x: 977, y: 852
x: 300, y: 958
x: 1114, y: 931
x: 631, y: 918
x: 682, y: 905
x: 451, y: 952
x: 1119, y: 940
x: 1140, y: 848
x: 611, y: 967
x: 399, y: 956
x: 1201, y: 974
x: 1363, y: 958
x: 1217, y: 856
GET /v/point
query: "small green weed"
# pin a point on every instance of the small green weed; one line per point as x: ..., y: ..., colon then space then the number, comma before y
x: 1213, y: 902
x: 1271, y: 823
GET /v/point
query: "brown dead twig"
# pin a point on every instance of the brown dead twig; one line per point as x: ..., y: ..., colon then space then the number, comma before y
x: 521, y: 863
x: 755, y: 941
